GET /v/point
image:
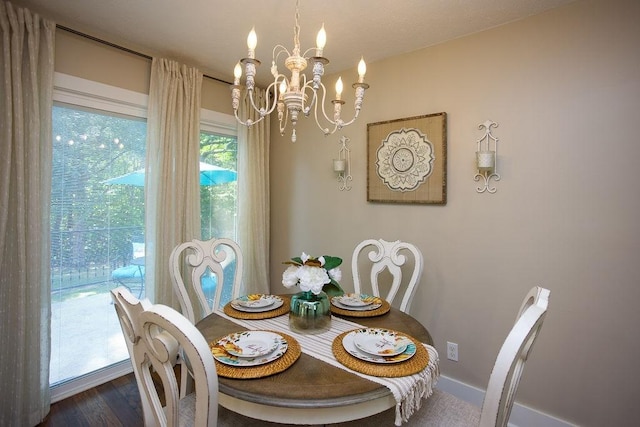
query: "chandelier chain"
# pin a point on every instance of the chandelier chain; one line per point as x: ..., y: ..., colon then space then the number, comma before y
x: 296, y: 30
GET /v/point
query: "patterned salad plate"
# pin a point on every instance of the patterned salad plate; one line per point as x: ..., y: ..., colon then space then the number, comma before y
x: 236, y: 349
x: 380, y: 342
x: 357, y: 302
x: 364, y: 338
x: 256, y: 303
x: 250, y: 344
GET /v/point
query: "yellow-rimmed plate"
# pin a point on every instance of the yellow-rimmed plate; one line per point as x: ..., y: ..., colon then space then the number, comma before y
x: 367, y: 302
x: 352, y: 349
x: 250, y: 344
x: 256, y: 303
x: 380, y: 342
x: 356, y: 300
x: 220, y: 351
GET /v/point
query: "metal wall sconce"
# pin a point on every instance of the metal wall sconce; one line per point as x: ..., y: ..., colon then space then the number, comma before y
x: 342, y: 165
x: 486, y: 158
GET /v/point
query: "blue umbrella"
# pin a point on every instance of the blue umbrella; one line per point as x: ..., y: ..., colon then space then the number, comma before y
x: 209, y: 175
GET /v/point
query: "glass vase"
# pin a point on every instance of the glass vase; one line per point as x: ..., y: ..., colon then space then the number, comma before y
x: 310, y: 313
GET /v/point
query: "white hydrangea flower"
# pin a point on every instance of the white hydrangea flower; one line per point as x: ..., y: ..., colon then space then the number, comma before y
x: 304, y: 257
x: 312, y: 279
x: 335, y: 274
x: 290, y: 276
x: 322, y: 261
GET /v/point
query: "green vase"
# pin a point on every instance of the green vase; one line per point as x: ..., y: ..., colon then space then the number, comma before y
x: 310, y: 313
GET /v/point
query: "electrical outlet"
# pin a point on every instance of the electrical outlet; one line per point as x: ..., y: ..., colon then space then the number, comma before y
x: 452, y: 351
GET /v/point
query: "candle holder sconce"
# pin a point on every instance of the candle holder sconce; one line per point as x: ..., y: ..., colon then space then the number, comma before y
x: 486, y: 158
x: 342, y: 165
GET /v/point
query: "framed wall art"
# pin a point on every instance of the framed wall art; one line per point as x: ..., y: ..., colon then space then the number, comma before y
x: 407, y: 160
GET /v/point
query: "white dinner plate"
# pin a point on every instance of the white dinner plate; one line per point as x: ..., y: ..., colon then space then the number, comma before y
x: 272, y: 302
x: 250, y: 344
x: 350, y: 347
x: 380, y: 342
x: 221, y: 354
x: 338, y: 304
x: 356, y: 300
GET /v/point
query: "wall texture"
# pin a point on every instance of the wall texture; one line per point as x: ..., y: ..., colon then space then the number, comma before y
x: 81, y: 57
x: 564, y: 87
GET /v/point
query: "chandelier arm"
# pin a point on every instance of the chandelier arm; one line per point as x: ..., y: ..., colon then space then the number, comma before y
x: 326, y: 130
x: 308, y: 86
x: 278, y: 50
x: 267, y: 109
x: 324, y: 112
x: 306, y: 54
x: 355, y: 116
x: 247, y: 122
x: 284, y: 120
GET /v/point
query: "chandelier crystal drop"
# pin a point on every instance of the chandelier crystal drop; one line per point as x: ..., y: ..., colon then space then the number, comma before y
x: 295, y: 95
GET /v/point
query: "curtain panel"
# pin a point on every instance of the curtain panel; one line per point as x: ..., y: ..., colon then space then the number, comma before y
x: 172, y: 186
x: 253, y: 194
x: 26, y: 100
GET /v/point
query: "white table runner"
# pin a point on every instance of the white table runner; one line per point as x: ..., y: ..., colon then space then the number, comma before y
x: 408, y: 391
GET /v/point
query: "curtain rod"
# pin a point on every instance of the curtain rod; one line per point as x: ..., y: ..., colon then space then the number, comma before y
x: 95, y: 39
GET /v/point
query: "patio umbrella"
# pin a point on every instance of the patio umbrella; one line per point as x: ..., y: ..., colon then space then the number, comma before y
x: 209, y: 175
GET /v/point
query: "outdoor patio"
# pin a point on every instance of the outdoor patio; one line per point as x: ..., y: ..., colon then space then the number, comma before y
x: 85, y: 335
x: 85, y: 332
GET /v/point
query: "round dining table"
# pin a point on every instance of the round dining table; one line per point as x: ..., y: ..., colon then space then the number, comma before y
x: 310, y: 391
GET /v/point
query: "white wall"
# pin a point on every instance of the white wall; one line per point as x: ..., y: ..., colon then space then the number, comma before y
x: 564, y: 87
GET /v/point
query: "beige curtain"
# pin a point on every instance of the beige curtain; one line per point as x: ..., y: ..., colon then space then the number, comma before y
x: 26, y: 93
x: 172, y: 185
x: 253, y: 194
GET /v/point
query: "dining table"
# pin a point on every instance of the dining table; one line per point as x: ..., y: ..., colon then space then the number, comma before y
x: 314, y: 389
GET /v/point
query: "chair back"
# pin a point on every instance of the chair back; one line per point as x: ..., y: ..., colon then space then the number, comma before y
x: 153, y: 333
x: 191, y: 265
x: 390, y: 256
x: 509, y: 365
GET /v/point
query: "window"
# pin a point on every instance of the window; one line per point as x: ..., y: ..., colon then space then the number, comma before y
x: 94, y: 225
x: 97, y: 221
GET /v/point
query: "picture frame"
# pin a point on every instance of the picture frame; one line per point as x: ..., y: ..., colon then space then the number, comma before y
x: 407, y: 160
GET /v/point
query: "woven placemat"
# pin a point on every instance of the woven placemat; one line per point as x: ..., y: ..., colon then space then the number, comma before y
x: 283, y: 309
x: 251, y: 372
x: 411, y: 366
x: 384, y: 308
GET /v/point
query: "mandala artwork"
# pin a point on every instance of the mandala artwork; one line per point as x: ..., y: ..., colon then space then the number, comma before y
x: 405, y: 159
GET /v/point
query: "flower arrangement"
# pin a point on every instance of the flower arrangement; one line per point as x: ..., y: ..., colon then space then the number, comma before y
x: 314, y: 274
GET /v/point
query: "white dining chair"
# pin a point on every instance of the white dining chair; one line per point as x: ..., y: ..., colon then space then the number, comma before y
x: 198, y: 268
x: 389, y: 256
x: 444, y: 409
x: 154, y: 333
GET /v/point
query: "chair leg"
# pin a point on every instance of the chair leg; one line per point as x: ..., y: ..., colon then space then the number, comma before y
x: 186, y: 382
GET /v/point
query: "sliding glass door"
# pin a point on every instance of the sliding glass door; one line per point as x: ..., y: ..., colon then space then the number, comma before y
x: 97, y: 220
x: 97, y: 228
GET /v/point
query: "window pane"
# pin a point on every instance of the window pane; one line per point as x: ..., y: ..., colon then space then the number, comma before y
x: 94, y: 225
x: 218, y: 202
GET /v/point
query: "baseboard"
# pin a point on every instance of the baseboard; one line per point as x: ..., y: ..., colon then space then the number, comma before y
x: 78, y: 385
x: 521, y: 416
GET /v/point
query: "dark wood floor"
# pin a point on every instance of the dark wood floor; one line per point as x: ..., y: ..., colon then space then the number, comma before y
x: 116, y: 403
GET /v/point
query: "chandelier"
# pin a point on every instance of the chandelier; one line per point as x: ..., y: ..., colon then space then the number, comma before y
x: 295, y: 94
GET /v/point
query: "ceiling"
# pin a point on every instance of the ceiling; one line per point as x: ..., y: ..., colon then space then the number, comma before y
x: 211, y: 34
